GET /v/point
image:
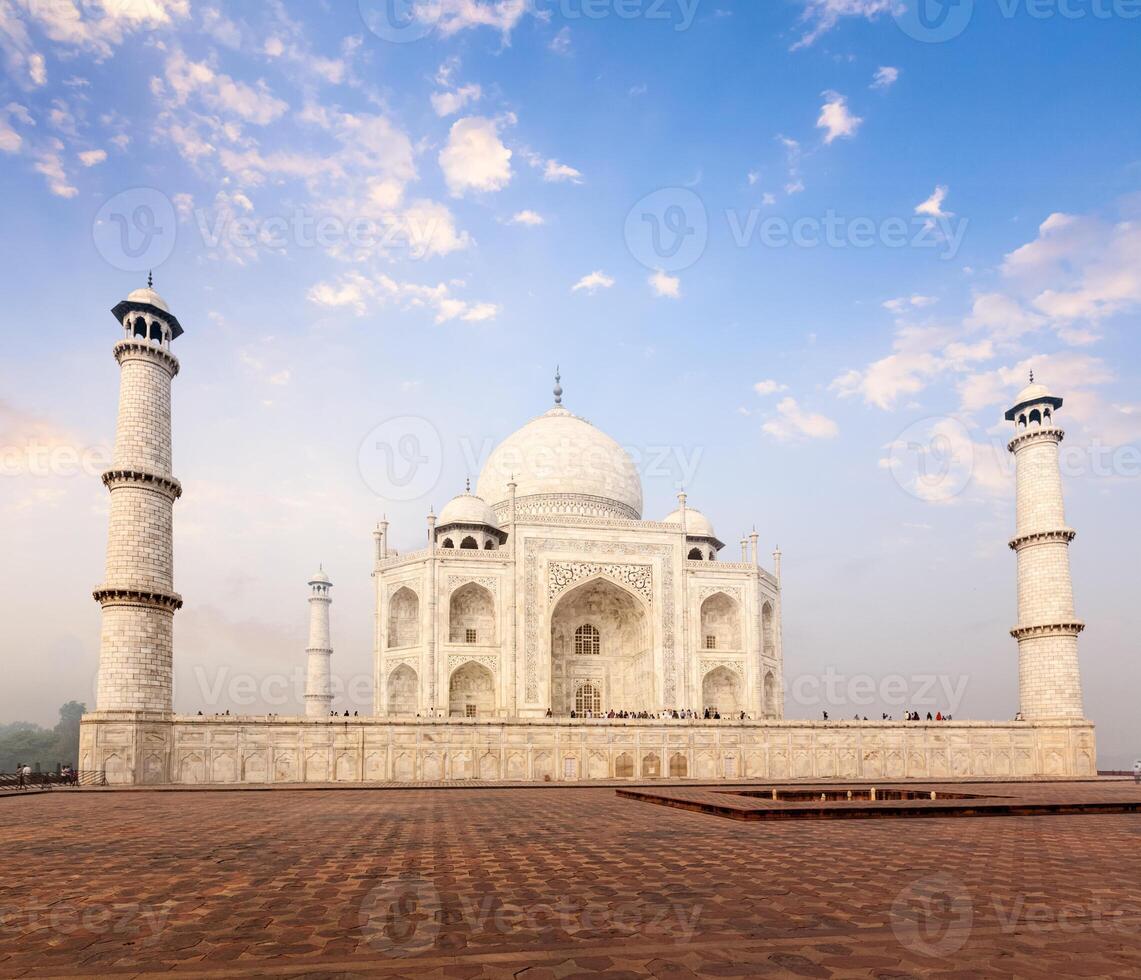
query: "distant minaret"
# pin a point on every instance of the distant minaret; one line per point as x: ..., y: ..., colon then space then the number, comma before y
x: 1049, y: 679
x: 318, y: 681
x: 137, y: 594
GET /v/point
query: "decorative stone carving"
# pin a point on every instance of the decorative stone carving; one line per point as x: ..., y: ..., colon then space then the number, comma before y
x: 561, y: 575
x: 488, y: 582
x: 391, y: 663
x: 737, y: 666
x: 457, y: 660
x: 733, y: 591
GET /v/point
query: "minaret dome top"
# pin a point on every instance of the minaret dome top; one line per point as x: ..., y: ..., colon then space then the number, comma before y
x: 146, y: 300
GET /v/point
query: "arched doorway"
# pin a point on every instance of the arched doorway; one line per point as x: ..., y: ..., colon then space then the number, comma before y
x: 402, y: 691
x: 403, y: 619
x: 471, y: 692
x: 770, y: 694
x: 614, y: 656
x: 471, y: 614
x: 720, y: 623
x: 721, y: 691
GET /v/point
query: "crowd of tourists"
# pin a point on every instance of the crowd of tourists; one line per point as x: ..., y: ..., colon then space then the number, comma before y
x: 907, y: 716
x: 666, y: 714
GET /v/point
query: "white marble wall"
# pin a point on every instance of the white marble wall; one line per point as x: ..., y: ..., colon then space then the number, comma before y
x: 185, y: 750
x: 527, y: 579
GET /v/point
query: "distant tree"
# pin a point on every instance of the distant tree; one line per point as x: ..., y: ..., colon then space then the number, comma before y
x: 26, y: 742
x: 67, y: 733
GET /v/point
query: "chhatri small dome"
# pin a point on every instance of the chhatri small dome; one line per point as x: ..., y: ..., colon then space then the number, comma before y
x: 697, y: 525
x: 559, y: 455
x: 467, y: 508
x: 148, y: 296
x: 145, y: 300
x: 1034, y: 393
x: 320, y: 578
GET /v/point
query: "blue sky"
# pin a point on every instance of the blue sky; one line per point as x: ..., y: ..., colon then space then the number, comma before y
x: 487, y: 186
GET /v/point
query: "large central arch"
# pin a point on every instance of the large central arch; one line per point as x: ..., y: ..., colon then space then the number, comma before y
x: 619, y: 663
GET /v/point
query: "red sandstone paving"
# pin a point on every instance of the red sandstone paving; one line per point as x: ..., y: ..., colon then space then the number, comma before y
x: 558, y: 883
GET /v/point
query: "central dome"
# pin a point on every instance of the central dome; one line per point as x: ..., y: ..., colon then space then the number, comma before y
x: 562, y: 464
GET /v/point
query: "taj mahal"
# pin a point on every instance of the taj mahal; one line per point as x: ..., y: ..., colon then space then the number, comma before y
x: 547, y: 631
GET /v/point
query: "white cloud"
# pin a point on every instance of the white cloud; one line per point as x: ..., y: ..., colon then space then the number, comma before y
x: 37, y: 69
x: 593, y: 282
x: 885, y: 77
x: 360, y: 294
x: 453, y: 16
x: 561, y: 42
x: 89, y: 158
x: 448, y: 103
x: 933, y: 206
x: 531, y: 218
x: 556, y: 173
x: 835, y: 118
x: 769, y: 387
x: 95, y: 27
x: 49, y: 163
x: 902, y: 303
x: 431, y: 229
x: 1079, y: 269
x: 820, y: 16
x: 475, y: 158
x: 10, y: 140
x: 665, y: 285
x: 794, y: 424
x: 920, y: 354
x: 251, y: 103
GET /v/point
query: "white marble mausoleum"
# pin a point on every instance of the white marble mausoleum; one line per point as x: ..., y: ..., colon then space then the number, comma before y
x: 548, y: 631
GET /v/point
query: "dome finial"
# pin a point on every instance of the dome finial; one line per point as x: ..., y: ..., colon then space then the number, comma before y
x: 1032, y: 376
x: 467, y: 485
x: 558, y: 386
x: 150, y: 279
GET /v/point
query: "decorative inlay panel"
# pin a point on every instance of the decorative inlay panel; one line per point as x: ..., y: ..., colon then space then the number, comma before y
x: 457, y: 660
x: 737, y: 666
x: 561, y: 575
x: 487, y: 581
x: 707, y: 590
x: 414, y: 584
x: 391, y: 663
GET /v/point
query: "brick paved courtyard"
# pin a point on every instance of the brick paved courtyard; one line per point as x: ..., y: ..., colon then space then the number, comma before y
x: 556, y: 882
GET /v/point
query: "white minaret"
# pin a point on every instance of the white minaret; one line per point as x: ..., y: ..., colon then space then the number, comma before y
x: 318, y: 680
x: 137, y: 594
x: 1049, y: 679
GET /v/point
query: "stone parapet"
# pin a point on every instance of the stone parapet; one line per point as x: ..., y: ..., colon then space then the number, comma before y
x: 139, y: 749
